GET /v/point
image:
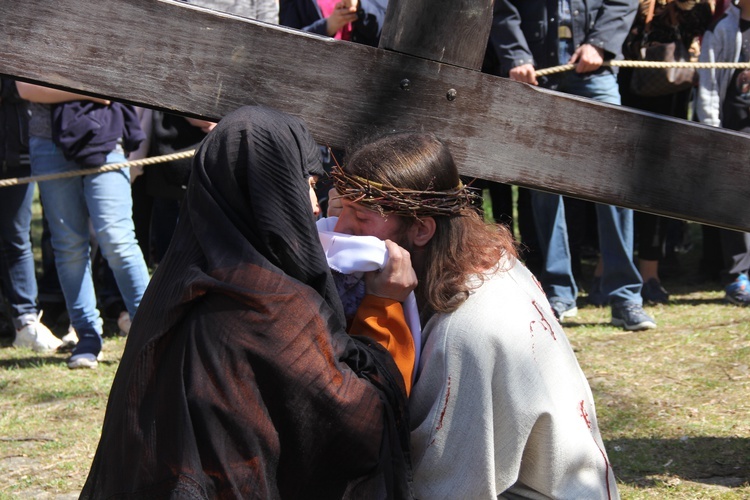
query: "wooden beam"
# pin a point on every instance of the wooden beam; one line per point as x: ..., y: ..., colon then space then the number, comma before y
x: 445, y: 31
x: 172, y: 56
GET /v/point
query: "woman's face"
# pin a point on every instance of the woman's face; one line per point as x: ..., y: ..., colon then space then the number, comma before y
x: 312, y: 180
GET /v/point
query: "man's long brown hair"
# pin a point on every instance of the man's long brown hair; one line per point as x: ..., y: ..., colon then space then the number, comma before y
x: 464, y: 244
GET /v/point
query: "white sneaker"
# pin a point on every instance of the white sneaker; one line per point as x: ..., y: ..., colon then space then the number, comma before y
x: 69, y: 340
x: 37, y: 337
x: 85, y: 360
x: 123, y: 323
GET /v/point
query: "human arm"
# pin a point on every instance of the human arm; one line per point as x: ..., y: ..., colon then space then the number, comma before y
x: 205, y: 125
x: 47, y: 95
x: 709, y: 95
x: 383, y: 321
x: 604, y: 41
x: 380, y: 316
x: 397, y: 279
x: 508, y: 42
x: 307, y: 16
x: 344, y: 13
x: 524, y: 73
x: 302, y: 15
x: 587, y: 58
x: 613, y: 21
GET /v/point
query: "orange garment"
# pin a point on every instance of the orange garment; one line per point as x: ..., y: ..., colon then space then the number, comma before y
x: 383, y: 321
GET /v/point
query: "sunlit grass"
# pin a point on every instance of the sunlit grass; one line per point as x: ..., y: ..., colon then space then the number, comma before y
x: 673, y: 403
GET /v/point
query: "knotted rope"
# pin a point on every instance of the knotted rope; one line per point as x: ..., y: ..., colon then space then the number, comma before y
x: 651, y: 64
x: 16, y: 181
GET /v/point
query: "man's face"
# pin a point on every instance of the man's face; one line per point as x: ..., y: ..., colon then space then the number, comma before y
x: 358, y: 220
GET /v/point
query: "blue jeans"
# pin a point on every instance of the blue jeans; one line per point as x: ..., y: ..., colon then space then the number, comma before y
x: 621, y: 280
x: 105, y: 200
x: 16, y: 256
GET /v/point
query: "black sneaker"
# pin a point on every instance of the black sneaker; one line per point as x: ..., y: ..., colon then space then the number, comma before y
x: 632, y: 317
x: 653, y: 293
x: 562, y: 308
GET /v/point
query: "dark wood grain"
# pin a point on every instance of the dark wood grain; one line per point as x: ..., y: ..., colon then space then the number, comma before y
x: 171, y: 56
x: 445, y: 31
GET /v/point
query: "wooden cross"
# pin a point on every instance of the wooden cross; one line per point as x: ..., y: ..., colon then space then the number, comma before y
x: 424, y: 76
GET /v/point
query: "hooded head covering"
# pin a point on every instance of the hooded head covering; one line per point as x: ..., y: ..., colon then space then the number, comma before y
x: 238, y: 380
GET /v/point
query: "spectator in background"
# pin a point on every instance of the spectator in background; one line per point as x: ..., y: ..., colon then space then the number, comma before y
x: 69, y: 131
x: 160, y: 189
x: 359, y: 21
x: 16, y: 257
x: 724, y: 101
x: 324, y: 17
x: 690, y: 19
x: 536, y: 34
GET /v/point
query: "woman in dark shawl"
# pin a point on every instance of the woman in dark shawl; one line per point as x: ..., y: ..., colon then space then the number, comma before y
x: 238, y: 380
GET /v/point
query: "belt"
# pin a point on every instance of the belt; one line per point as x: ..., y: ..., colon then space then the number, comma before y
x: 564, y: 33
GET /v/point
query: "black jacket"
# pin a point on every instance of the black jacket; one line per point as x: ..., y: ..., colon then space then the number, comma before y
x: 525, y: 31
x: 87, y: 131
x: 171, y: 134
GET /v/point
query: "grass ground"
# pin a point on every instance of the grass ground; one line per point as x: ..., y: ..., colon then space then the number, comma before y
x: 673, y: 403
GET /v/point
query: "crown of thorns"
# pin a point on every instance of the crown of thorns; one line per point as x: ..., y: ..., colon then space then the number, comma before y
x: 388, y: 199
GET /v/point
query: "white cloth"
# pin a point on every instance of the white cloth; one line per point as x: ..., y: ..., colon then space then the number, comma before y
x: 501, y: 406
x: 356, y: 255
x: 723, y: 43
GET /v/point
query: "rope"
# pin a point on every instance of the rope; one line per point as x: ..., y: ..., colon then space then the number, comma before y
x: 16, y: 181
x: 650, y: 64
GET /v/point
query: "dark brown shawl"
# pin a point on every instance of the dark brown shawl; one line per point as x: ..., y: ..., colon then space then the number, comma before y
x: 238, y: 380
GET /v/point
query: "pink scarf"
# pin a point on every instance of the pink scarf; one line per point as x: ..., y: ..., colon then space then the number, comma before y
x: 326, y: 8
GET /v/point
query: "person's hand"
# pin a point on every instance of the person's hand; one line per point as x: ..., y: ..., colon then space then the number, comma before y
x: 205, y: 125
x: 335, y: 206
x: 524, y: 73
x: 397, y: 279
x: 47, y: 95
x: 587, y: 58
x: 344, y: 13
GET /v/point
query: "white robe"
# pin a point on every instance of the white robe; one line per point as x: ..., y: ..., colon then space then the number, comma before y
x: 501, y: 406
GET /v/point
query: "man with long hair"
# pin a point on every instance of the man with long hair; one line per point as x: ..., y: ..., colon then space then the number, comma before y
x: 528, y: 35
x: 499, y: 404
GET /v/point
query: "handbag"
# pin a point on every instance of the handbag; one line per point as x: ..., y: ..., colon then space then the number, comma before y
x: 651, y: 82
